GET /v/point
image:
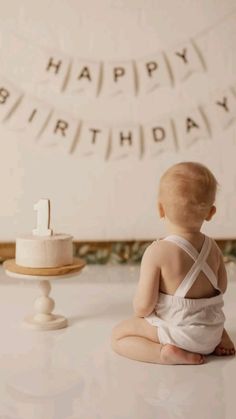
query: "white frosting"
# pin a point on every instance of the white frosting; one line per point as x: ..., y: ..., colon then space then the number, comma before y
x: 44, y: 251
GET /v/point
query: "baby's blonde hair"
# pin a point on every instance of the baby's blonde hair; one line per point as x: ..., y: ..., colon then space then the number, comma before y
x: 187, y: 191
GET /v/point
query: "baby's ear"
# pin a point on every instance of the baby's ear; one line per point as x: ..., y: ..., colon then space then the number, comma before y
x: 211, y: 213
x: 161, y: 210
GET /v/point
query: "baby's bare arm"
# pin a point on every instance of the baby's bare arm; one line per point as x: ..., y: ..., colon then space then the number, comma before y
x: 222, y: 275
x: 147, y: 291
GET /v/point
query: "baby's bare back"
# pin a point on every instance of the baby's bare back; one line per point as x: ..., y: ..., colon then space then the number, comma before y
x: 175, y: 264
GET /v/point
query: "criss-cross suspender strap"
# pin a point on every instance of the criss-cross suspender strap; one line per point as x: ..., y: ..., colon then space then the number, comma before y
x: 198, y: 265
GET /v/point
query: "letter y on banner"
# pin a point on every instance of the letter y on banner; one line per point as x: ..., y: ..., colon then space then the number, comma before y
x: 184, y: 60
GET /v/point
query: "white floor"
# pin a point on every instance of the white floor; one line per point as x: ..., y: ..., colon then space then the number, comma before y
x: 73, y: 374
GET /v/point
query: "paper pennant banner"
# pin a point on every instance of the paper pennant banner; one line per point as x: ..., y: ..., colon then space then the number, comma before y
x: 119, y: 78
x: 184, y: 60
x: 153, y: 73
x: 9, y: 98
x: 61, y: 131
x: 51, y: 69
x: 191, y: 127
x: 223, y: 108
x: 84, y: 78
x: 159, y: 137
x: 126, y: 142
x: 30, y: 117
x: 93, y: 140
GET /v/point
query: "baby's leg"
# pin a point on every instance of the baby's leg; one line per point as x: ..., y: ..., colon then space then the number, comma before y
x: 136, y: 339
x: 225, y: 347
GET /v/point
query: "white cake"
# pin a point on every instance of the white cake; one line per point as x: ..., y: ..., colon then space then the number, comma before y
x: 53, y: 251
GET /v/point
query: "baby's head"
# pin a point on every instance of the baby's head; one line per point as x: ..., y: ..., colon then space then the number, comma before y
x: 187, y: 193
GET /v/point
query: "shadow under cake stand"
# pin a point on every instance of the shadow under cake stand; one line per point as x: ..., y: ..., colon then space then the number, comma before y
x: 44, y: 319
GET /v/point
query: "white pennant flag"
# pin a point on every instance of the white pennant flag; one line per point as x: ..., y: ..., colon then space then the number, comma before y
x: 125, y: 142
x: 159, y: 137
x: 61, y: 131
x: 30, y: 117
x: 185, y: 59
x: 153, y: 73
x: 118, y: 78
x: 93, y: 140
x: 222, y: 108
x: 50, y: 69
x: 84, y: 78
x: 191, y: 127
x: 9, y: 98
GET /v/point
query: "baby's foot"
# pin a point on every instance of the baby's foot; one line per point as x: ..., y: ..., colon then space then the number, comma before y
x: 171, y: 354
x: 225, y: 347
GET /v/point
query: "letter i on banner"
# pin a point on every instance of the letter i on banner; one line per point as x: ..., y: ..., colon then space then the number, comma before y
x: 125, y: 142
x: 118, y: 78
x: 30, y: 117
x: 222, y: 108
x: 9, y: 98
x: 93, y: 140
x: 51, y: 69
x: 191, y: 127
x: 61, y: 131
x: 159, y: 138
x: 153, y: 73
x: 84, y: 78
x: 185, y: 59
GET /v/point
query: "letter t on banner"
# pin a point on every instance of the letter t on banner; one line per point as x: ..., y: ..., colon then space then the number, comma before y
x: 93, y: 140
x: 125, y: 142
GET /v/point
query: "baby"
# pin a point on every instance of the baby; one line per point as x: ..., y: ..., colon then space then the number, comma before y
x: 178, y: 316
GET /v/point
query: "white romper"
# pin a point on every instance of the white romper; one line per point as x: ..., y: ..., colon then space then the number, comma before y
x: 194, y: 324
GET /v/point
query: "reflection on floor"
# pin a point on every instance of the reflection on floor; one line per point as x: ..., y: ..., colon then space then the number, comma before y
x: 73, y: 374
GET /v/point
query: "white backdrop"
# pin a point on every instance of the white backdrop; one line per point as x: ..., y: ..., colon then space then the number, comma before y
x: 93, y: 198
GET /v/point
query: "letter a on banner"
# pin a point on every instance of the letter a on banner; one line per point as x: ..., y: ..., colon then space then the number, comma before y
x: 184, y: 60
x: 84, y: 78
x: 9, y: 98
x: 152, y: 73
x: 223, y: 108
x: 191, y: 127
x: 159, y: 138
x: 125, y: 142
x: 61, y: 132
x: 30, y: 117
x: 93, y: 140
x: 119, y: 78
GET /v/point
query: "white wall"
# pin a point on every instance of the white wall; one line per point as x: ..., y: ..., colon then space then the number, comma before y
x: 97, y: 199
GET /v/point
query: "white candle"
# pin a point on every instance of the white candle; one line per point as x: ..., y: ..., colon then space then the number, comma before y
x: 43, y: 218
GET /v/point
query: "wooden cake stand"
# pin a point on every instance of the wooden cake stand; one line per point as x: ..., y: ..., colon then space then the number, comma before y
x: 44, y: 319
